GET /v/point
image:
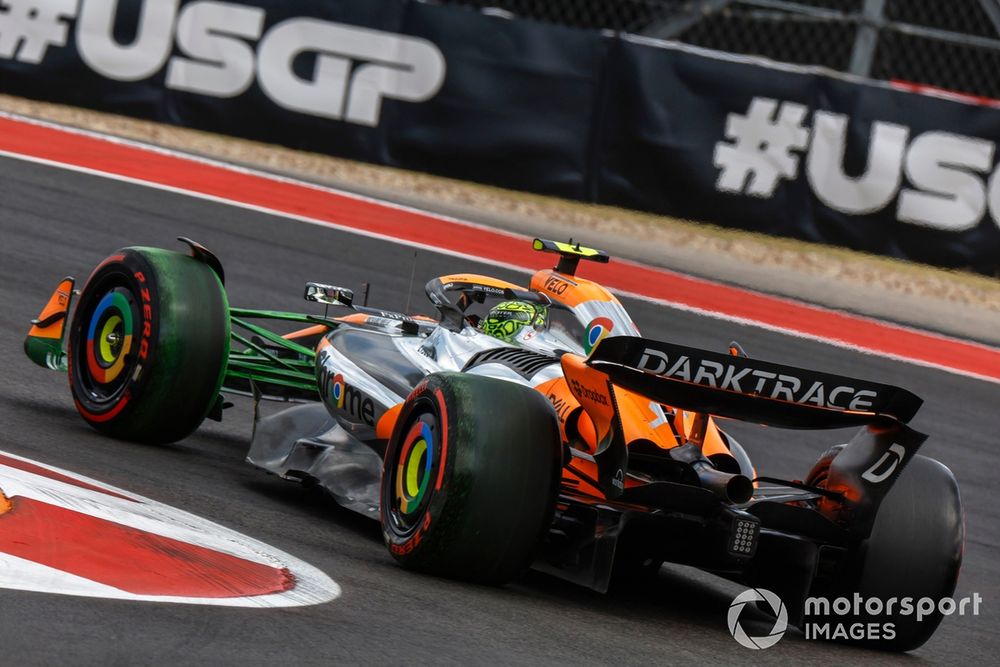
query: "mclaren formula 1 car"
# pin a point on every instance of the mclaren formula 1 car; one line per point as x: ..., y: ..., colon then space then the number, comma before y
x: 543, y: 430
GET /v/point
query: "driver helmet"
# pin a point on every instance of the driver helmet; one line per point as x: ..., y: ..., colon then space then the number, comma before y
x: 508, y: 318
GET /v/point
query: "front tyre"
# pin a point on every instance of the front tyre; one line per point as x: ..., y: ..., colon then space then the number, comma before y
x: 148, y: 345
x: 470, y: 477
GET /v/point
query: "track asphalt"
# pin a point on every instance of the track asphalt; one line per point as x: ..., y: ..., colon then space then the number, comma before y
x: 54, y: 223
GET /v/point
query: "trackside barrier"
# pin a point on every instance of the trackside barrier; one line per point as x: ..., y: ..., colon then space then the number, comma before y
x: 582, y: 114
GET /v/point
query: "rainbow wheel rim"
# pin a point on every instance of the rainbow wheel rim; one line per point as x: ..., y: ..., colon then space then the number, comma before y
x: 109, y: 340
x: 414, y: 470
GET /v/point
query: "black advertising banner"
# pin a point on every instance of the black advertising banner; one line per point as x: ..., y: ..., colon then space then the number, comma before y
x: 515, y: 108
x: 576, y: 113
x: 799, y: 153
x: 262, y: 69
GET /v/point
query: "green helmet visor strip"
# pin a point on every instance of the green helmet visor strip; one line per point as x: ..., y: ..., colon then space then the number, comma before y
x: 506, y: 319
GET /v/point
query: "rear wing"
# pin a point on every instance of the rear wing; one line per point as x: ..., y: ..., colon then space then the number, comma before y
x: 748, y: 389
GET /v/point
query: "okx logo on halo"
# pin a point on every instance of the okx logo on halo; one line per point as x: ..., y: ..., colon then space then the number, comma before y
x: 777, y: 608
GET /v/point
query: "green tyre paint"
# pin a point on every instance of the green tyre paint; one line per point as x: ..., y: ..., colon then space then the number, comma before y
x: 148, y: 345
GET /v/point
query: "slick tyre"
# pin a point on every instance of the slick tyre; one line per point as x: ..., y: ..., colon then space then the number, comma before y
x: 148, y: 345
x: 470, y: 478
x: 914, y: 551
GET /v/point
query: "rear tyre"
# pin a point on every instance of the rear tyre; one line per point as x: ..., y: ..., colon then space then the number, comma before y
x: 148, y: 345
x: 470, y: 477
x: 914, y: 551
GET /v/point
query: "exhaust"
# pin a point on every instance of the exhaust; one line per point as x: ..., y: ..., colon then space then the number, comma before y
x: 737, y: 489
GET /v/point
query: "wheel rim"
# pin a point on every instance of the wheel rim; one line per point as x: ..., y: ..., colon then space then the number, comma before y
x: 411, y: 483
x: 106, y: 348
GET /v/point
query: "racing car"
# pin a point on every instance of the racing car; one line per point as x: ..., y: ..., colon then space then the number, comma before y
x: 522, y: 425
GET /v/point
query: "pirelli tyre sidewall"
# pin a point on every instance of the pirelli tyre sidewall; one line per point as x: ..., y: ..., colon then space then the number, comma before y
x: 470, y: 478
x: 148, y: 345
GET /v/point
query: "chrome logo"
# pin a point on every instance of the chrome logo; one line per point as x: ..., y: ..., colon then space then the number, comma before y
x: 337, y: 390
x: 597, y: 330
